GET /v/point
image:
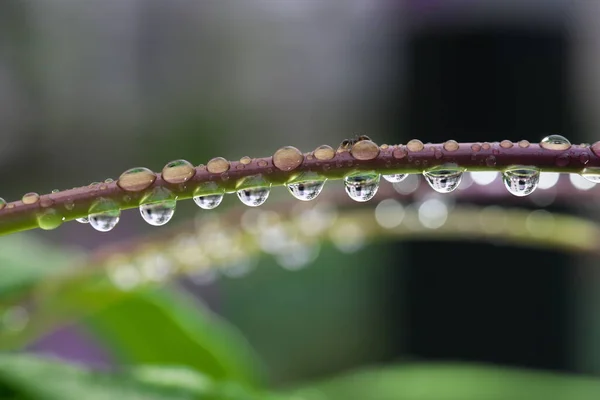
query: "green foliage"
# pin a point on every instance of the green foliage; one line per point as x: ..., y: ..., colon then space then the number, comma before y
x: 165, y: 326
x: 452, y: 381
x: 25, y: 377
x: 25, y: 260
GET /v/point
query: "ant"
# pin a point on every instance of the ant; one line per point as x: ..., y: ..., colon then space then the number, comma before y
x: 348, y: 143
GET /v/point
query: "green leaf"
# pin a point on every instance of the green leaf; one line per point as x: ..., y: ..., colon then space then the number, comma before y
x: 26, y: 260
x: 26, y: 377
x: 452, y: 381
x: 32, y: 378
x: 169, y: 327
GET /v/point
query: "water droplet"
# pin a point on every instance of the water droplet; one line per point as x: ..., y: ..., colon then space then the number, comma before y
x: 208, y: 202
x: 395, y: 177
x: 253, y: 190
x: 490, y: 161
x: 451, y: 145
x: 486, y: 146
x: 83, y: 220
x: 49, y: 219
x: 158, y: 214
x: 178, y: 171
x: 506, y: 144
x: 46, y: 201
x: 521, y: 180
x: 399, y: 152
x: 476, y: 147
x: 245, y: 160
x: 217, y: 165
x: 384, y: 147
x: 415, y: 145
x: 555, y: 142
x: 104, y: 221
x: 324, y: 153
x: 444, y: 178
x: 104, y: 215
x: 362, y: 186
x: 253, y: 197
x: 306, y: 188
x: 364, y: 150
x: 158, y: 207
x: 524, y: 144
x: 591, y: 174
x: 30, y: 198
x: 55, y: 190
x: 262, y: 163
x: 2, y: 203
x: 287, y: 158
x: 109, y: 180
x: 208, y: 195
x: 136, y: 179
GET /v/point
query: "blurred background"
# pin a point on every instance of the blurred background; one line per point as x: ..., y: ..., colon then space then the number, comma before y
x: 90, y: 89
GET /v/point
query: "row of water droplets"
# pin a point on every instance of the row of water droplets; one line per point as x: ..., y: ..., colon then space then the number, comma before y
x: 158, y: 207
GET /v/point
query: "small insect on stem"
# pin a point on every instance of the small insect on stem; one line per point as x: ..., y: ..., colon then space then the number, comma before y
x: 348, y: 143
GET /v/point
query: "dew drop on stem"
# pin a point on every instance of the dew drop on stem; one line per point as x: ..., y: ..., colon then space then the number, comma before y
x: 521, y: 180
x: 444, y: 178
x: 362, y: 186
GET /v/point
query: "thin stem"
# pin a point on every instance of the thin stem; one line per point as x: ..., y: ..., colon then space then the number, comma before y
x: 288, y: 163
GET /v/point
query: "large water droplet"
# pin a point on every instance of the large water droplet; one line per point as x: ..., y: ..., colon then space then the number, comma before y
x: 104, y: 221
x: 178, y: 171
x: 208, y: 202
x: 253, y: 197
x: 362, y: 186
x: 444, y: 178
x: 306, y: 190
x: 253, y: 190
x: 49, y: 219
x: 208, y: 195
x: 157, y: 207
x: 104, y: 215
x: 395, y: 177
x: 159, y: 213
x: 30, y: 198
x: 136, y: 179
x: 307, y: 186
x: 555, y: 142
x: 591, y: 174
x: 520, y: 180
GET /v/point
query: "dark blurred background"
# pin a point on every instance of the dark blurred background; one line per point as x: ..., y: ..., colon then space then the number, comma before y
x: 89, y: 89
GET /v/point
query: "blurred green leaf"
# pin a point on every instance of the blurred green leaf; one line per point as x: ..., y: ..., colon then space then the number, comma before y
x: 26, y: 260
x: 27, y: 377
x: 452, y: 381
x: 168, y: 326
